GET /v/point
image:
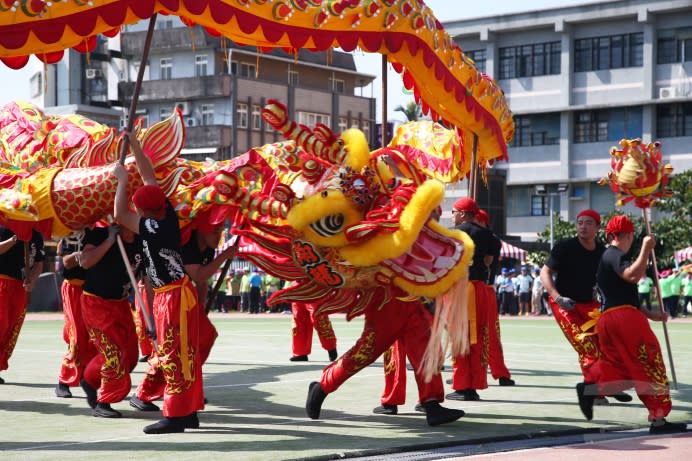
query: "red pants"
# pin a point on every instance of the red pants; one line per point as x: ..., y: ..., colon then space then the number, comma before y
x: 496, y: 357
x: 304, y: 320
x: 112, y: 330
x: 12, y: 313
x: 571, y: 323
x: 631, y: 356
x: 470, y: 370
x: 396, y: 320
x: 207, y: 335
x: 80, y: 350
x: 182, y: 396
x: 146, y: 345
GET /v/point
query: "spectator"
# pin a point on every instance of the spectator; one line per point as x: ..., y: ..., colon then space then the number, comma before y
x: 523, y: 282
x: 245, y: 291
x: 537, y: 293
x: 234, y: 285
x: 644, y: 291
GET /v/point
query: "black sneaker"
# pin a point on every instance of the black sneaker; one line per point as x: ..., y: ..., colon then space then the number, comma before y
x: 191, y: 421
x: 62, y: 390
x: 90, y: 393
x: 667, y: 428
x: 469, y: 395
x: 622, y: 397
x: 585, y: 401
x: 166, y: 426
x: 104, y: 410
x: 333, y: 355
x: 506, y: 382
x: 316, y: 397
x: 386, y: 410
x: 2, y: 381
x: 299, y: 358
x: 419, y: 408
x: 143, y: 358
x: 436, y: 414
x: 141, y: 405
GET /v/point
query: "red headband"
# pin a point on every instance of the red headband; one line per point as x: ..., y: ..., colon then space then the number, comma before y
x: 149, y: 198
x: 619, y: 224
x: 483, y: 217
x: 467, y: 205
x: 593, y: 214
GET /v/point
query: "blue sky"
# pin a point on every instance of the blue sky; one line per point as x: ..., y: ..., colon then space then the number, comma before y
x: 15, y: 83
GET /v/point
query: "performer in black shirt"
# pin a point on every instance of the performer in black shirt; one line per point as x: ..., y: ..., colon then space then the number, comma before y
x: 630, y: 353
x: 16, y: 281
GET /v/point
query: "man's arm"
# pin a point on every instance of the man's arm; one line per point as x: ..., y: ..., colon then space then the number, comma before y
x: 6, y: 245
x: 144, y: 166
x: 92, y: 254
x: 34, y: 273
x: 548, y: 283
x: 637, y: 269
x: 121, y: 210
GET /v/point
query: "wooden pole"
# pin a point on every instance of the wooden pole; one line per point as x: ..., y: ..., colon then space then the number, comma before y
x: 217, y: 285
x: 138, y: 87
x: 660, y: 302
x: 473, y: 173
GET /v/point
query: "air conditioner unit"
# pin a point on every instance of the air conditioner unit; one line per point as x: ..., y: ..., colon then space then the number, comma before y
x: 184, y: 107
x: 93, y: 73
x: 191, y: 121
x: 667, y: 92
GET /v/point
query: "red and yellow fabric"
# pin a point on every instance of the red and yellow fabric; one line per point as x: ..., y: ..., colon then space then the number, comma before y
x: 580, y: 330
x: 146, y: 345
x: 496, y: 356
x: 12, y: 313
x: 304, y: 321
x: 176, y: 373
x: 447, y: 83
x: 80, y: 350
x: 112, y: 331
x: 631, y: 356
x: 399, y: 319
x: 470, y: 371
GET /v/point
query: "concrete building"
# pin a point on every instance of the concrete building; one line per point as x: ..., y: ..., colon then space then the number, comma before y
x: 221, y: 88
x: 578, y: 79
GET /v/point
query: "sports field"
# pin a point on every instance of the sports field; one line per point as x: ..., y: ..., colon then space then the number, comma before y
x: 257, y: 397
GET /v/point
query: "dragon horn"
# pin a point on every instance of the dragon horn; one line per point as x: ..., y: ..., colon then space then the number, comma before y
x: 229, y: 190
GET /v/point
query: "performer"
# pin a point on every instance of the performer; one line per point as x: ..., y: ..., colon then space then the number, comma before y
x: 144, y: 336
x: 80, y: 350
x: 200, y: 264
x: 630, y: 353
x: 469, y: 371
x: 496, y: 356
x: 304, y: 320
x: 108, y: 316
x: 175, y: 297
x: 573, y: 263
x: 16, y: 280
x: 401, y: 317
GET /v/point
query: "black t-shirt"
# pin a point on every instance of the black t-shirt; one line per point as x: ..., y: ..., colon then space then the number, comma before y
x: 108, y: 278
x: 614, y: 289
x: 12, y: 262
x: 495, y: 249
x: 576, y: 268
x: 161, y: 240
x: 193, y: 255
x: 69, y: 246
x: 482, y: 238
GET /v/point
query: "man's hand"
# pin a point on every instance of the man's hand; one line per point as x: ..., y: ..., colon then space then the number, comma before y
x: 113, y: 230
x: 120, y: 172
x: 648, y: 242
x: 566, y: 303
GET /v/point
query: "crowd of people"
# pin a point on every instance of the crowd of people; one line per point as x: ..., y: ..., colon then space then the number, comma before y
x: 598, y: 298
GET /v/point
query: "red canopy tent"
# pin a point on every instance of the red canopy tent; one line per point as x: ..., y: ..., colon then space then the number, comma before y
x: 511, y: 251
x: 684, y: 254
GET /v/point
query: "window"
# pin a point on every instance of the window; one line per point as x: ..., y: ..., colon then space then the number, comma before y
x: 241, y: 121
x: 343, y: 124
x: 365, y: 127
x: 607, y: 124
x: 673, y: 120
x: 256, y: 117
x: 292, y: 78
x: 166, y: 68
x: 609, y: 52
x: 233, y: 68
x: 311, y: 119
x: 479, y: 57
x: 165, y: 112
x: 540, y: 205
x: 530, y: 60
x: 207, y: 112
x: 674, y: 45
x: 536, y: 130
x: 36, y: 84
x: 201, y: 65
x: 338, y: 85
x: 248, y: 70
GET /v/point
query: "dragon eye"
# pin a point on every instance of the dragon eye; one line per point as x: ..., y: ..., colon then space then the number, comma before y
x: 328, y: 226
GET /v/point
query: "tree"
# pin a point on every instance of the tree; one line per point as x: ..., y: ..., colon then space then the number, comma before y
x: 411, y: 111
x: 673, y: 232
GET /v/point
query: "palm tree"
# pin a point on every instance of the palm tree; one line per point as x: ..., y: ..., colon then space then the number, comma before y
x: 412, y: 111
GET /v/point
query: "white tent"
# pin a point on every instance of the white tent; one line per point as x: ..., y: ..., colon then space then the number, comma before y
x: 510, y: 251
